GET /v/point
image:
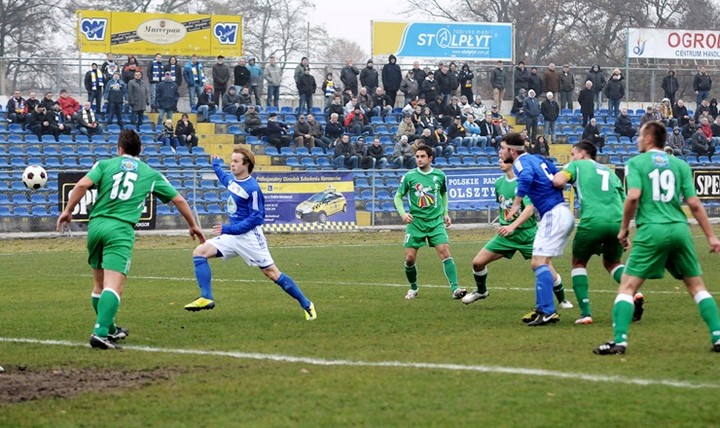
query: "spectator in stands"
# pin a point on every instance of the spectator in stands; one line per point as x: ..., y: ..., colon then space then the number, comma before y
x: 670, y: 86
x: 365, y: 161
x: 689, y: 129
x: 94, y: 85
x: 702, y: 83
x: 451, y: 110
x: 364, y: 100
x: 391, y: 79
x: 256, y: 73
x: 377, y: 152
x: 502, y: 129
x: 369, y: 77
x: 429, y: 88
x: 356, y: 123
x: 241, y: 74
x: 539, y: 146
x: 48, y: 101
x: 329, y: 89
x: 648, y: 116
x: 382, y: 104
x: 69, y: 105
x: 403, y: 156
x: 454, y: 79
x: 488, y: 129
x: 531, y: 110
x: 206, y: 106
x: 567, y: 88
x: 316, y: 131
x: 232, y: 103
x: 614, y: 91
x: 586, y: 99
x: 713, y: 107
x: 88, y: 121
x: 496, y: 115
x: 442, y: 76
x: 701, y: 141
x: 680, y: 112
x: 17, y: 109
x: 535, y: 81
x: 349, y: 77
x: 458, y: 134
x: 185, y: 132
x: 427, y: 121
x: 597, y: 77
x: 109, y: 67
x: 167, y: 135
x: 253, y: 123
x: 129, y: 69
x: 277, y: 133
x: 61, y: 125
x: 301, y: 133
x: 517, y: 108
x: 306, y: 88
x: 155, y: 74
x: 437, y: 106
x: 41, y: 122
x: 592, y: 133
x: 440, y: 142
x: 478, y: 108
x: 407, y: 128
x: 551, y: 80
x: 702, y: 109
x: 666, y: 114
x: 138, y: 98
x: 333, y: 129
x: 409, y: 86
x: 676, y: 142
x: 166, y: 98
x: 300, y: 69
x: 344, y: 155
x: 466, y: 82
x: 623, y: 125
x: 32, y: 101
x: 273, y: 76
x: 220, y: 78
x: 550, y: 111
x: 194, y: 76
x: 115, y: 96
x: 706, y: 128
x: 522, y: 78
x: 336, y: 107
x: 498, y: 80
x: 715, y: 127
x: 419, y: 73
x: 176, y: 71
x: 472, y: 133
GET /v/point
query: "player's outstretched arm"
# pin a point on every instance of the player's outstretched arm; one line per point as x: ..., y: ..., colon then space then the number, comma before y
x: 76, y: 195
x: 698, y: 211
x: 182, y: 206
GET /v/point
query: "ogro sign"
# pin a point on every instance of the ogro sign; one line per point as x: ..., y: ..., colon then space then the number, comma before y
x: 161, y: 31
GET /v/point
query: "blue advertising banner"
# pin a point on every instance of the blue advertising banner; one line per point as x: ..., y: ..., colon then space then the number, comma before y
x: 471, y: 186
x: 308, y: 200
x: 479, y: 41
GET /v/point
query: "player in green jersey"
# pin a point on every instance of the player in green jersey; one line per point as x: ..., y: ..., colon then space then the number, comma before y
x: 123, y: 183
x: 428, y: 217
x: 601, y: 197
x: 515, y: 234
x: 657, y: 183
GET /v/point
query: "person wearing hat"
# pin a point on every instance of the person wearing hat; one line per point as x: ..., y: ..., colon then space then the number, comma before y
x: 429, y: 88
x: 206, y: 104
x: 676, y: 143
x: 369, y: 77
x: 277, y: 133
x: 95, y: 86
x: 166, y: 98
x: 221, y: 77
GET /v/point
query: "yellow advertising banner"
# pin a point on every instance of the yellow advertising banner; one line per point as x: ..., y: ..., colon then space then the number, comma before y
x: 150, y: 33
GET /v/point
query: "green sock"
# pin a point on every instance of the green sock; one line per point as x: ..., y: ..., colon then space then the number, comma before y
x: 622, y: 316
x: 709, y: 312
x: 95, y: 299
x: 617, y: 273
x: 559, y: 289
x: 411, y: 273
x: 108, y: 305
x: 450, y: 273
x: 481, y: 280
x: 580, y: 286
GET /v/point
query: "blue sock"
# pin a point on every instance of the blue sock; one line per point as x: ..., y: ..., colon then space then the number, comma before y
x: 204, y: 276
x: 287, y: 284
x: 544, y: 289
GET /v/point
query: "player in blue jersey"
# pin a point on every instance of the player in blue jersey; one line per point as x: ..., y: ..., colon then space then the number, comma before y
x: 535, y: 179
x: 243, y: 236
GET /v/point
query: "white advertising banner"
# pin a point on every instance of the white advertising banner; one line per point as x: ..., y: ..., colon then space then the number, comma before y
x: 673, y: 44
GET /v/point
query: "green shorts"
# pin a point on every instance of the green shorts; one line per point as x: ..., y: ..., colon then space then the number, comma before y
x: 520, y: 240
x: 597, y: 238
x: 110, y: 244
x: 657, y: 247
x: 431, y: 232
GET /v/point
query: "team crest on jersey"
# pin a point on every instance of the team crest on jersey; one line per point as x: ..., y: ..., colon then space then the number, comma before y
x: 505, y: 205
x: 129, y: 165
x: 425, y: 198
x: 660, y: 159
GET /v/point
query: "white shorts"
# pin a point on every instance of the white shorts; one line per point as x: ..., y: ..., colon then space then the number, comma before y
x: 554, y: 230
x: 251, y: 246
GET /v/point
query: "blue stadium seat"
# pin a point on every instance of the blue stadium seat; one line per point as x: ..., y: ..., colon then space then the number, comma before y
x: 323, y: 162
x: 292, y: 161
x: 21, y: 212
x: 308, y: 162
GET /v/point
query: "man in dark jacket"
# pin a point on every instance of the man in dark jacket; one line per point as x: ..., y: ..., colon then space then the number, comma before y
x: 531, y: 108
x: 166, y: 98
x: 221, y: 77
x: 115, y: 95
x: 306, y: 88
x: 522, y: 77
x: 497, y: 81
x: 377, y: 152
x: 391, y: 78
x: 241, y: 73
x: 597, y: 77
x: 349, y: 76
x: 42, y: 122
x: 277, y: 133
x: 701, y: 85
x: 550, y: 111
x: 534, y: 81
x: 670, y: 86
x: 442, y: 76
x: 418, y: 73
x: 185, y: 131
x: 623, y: 125
x: 429, y: 87
x: 138, y: 98
x: 680, y: 112
x: 95, y: 86
x: 614, y: 91
x: 369, y: 77
x: 344, y: 155
x: 586, y: 99
x: 567, y: 88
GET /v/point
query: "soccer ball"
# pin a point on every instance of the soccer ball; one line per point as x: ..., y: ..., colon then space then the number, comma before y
x: 35, y: 177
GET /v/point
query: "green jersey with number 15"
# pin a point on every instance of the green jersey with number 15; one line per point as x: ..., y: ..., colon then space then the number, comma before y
x: 599, y: 189
x: 664, y: 181
x: 123, y: 184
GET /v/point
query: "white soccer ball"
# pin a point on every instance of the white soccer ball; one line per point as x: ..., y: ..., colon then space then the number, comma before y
x: 35, y: 177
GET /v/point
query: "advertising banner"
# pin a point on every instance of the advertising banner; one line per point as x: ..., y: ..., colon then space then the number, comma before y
x: 308, y: 200
x: 673, y: 44
x: 150, y: 33
x: 471, y: 186
x: 477, y: 41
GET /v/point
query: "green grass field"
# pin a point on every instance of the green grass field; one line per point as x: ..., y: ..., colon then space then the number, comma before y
x: 370, y: 359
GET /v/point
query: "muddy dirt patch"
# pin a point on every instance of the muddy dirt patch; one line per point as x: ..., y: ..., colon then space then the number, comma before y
x: 20, y: 384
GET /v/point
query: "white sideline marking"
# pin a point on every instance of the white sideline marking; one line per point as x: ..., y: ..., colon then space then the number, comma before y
x: 391, y: 364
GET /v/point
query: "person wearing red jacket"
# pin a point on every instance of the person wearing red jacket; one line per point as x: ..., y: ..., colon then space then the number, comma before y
x: 69, y: 105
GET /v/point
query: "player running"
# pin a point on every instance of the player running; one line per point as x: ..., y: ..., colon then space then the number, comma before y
x: 427, y: 220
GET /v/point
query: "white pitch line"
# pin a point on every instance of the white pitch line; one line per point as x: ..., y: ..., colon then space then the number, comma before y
x: 392, y: 364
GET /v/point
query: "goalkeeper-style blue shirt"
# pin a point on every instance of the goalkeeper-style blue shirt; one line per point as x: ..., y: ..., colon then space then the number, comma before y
x: 534, y: 177
x: 245, y: 202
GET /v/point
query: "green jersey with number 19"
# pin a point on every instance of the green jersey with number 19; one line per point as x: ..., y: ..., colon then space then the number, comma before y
x: 505, y: 195
x: 424, y: 190
x: 664, y: 181
x: 600, y: 191
x: 123, y: 184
